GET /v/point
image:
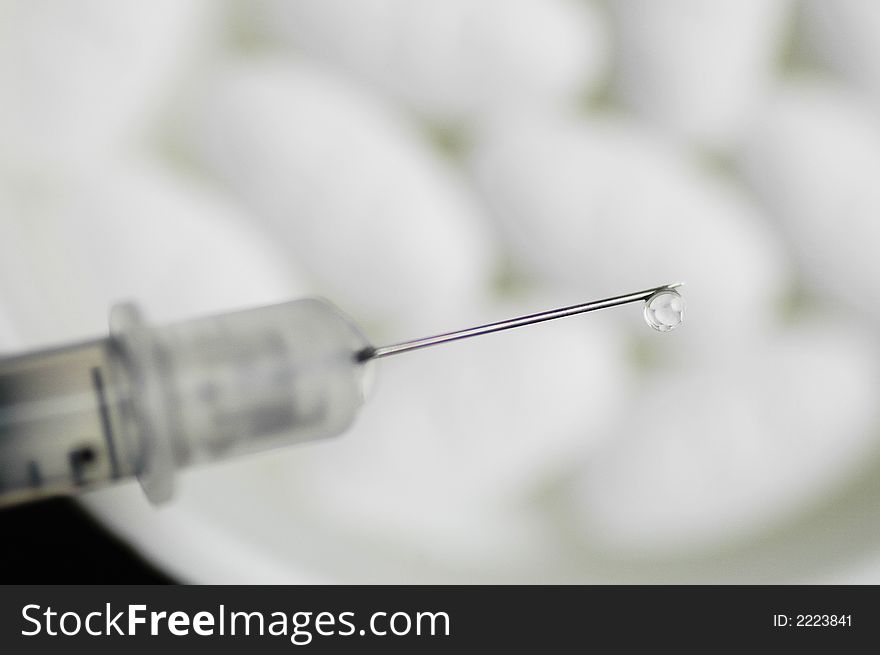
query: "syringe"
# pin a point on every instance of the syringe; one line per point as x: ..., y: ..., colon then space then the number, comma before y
x: 146, y: 401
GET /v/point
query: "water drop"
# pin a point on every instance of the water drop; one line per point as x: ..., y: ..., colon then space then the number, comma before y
x: 664, y: 311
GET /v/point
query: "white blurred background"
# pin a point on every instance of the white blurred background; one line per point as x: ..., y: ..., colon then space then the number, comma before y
x: 434, y: 164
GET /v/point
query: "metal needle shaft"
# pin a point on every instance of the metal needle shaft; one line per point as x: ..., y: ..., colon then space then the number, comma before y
x: 406, y: 346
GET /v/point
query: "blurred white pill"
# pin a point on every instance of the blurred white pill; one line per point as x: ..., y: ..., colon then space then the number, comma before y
x: 383, y: 223
x: 468, y: 430
x: 813, y: 158
x: 509, y: 408
x: 844, y: 33
x: 698, y: 67
x: 605, y: 206
x: 714, y: 454
x: 455, y: 59
x: 136, y: 232
x: 387, y: 530
x: 77, y: 79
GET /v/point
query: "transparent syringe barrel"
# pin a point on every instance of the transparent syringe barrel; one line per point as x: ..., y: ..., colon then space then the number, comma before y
x: 59, y: 423
x: 148, y: 401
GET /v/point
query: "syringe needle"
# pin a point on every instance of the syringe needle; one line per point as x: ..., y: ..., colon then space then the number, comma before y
x: 146, y: 401
x: 406, y: 346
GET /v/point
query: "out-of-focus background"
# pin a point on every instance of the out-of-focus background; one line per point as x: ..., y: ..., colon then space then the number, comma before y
x: 434, y: 164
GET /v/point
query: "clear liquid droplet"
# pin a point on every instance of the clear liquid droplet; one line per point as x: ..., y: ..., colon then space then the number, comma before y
x: 664, y: 311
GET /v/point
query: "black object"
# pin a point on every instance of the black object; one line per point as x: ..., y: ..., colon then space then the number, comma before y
x: 56, y: 542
